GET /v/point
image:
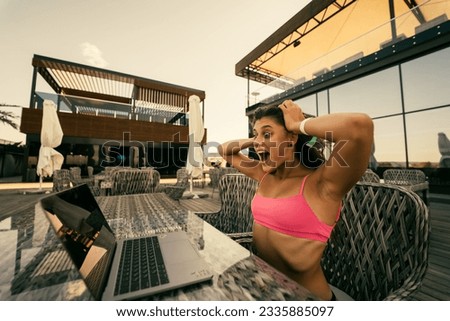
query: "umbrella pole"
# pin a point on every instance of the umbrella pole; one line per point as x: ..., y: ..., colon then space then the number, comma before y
x: 191, y: 189
x: 40, y: 182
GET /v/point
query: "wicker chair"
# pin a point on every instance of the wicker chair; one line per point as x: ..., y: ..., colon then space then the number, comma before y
x: 234, y: 217
x: 217, y: 173
x: 61, y: 180
x: 227, y: 170
x: 370, y: 176
x: 107, y: 182
x: 175, y: 191
x: 76, y: 179
x: 90, y: 171
x: 131, y: 181
x: 411, y: 179
x: 214, y: 176
x: 75, y: 176
x: 156, y: 178
x: 378, y: 250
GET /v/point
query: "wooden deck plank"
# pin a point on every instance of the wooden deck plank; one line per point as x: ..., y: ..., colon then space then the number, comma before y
x: 436, y: 289
x: 436, y: 284
x: 14, y: 201
x: 423, y: 297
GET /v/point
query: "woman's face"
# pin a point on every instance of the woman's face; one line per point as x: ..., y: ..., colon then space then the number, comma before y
x: 272, y: 143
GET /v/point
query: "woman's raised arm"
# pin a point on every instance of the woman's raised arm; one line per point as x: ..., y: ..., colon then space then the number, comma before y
x: 231, y: 151
x: 352, y: 135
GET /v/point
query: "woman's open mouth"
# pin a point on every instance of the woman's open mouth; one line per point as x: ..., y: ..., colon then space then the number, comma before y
x: 264, y: 156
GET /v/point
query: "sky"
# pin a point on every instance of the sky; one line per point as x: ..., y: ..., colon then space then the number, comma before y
x: 194, y: 43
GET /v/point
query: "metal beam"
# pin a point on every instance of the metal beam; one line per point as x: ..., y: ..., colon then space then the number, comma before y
x: 305, y: 21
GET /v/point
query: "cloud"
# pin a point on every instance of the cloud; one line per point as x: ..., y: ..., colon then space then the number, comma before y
x: 93, y: 55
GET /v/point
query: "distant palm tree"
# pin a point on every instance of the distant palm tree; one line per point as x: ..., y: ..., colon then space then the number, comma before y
x: 7, y: 117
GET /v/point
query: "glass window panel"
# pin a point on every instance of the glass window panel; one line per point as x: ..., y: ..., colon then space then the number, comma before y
x: 308, y: 104
x: 376, y: 94
x: 423, y: 129
x: 389, y: 142
x: 426, y: 81
x: 322, y: 98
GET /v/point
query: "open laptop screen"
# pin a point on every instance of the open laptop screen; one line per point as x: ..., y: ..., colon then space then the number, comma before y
x: 80, y: 225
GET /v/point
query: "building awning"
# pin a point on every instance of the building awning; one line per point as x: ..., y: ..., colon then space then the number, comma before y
x: 327, y: 34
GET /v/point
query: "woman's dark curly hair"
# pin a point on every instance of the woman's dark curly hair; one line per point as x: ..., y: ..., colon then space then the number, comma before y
x: 308, y: 149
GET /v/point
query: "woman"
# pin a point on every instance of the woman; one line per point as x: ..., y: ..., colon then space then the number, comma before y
x: 299, y: 196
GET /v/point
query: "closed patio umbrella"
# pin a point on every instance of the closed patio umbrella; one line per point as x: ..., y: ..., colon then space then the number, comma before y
x: 194, y: 164
x: 51, y: 137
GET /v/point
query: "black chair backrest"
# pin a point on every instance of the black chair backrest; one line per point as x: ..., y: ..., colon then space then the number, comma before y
x: 404, y: 176
x: 61, y: 180
x: 378, y: 250
x: 236, y: 194
x: 131, y: 181
x: 370, y: 176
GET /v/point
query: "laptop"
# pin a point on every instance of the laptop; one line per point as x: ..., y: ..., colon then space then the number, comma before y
x: 125, y: 269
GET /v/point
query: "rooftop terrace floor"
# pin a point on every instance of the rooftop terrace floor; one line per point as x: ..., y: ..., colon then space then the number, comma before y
x: 436, y: 284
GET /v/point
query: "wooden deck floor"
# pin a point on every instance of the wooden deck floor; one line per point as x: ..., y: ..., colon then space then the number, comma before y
x: 436, y: 285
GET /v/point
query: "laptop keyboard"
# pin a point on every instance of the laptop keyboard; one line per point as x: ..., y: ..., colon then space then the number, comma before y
x: 141, y: 265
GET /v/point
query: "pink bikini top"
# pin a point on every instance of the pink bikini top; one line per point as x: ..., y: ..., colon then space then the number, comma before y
x: 291, y: 215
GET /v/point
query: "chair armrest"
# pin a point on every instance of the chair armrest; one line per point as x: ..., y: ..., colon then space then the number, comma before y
x: 160, y: 188
x: 405, y: 292
x: 418, y: 186
x: 241, y: 237
x: 204, y: 214
x: 212, y: 218
x: 175, y: 192
x: 244, y: 239
x: 80, y: 181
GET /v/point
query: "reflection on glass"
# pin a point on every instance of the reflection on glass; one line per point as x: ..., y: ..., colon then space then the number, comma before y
x: 423, y: 129
x: 85, y: 233
x: 389, y: 142
x: 376, y: 95
x: 426, y: 81
x: 308, y: 104
x: 322, y: 98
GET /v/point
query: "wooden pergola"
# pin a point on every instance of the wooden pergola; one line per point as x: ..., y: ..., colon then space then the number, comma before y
x: 100, y: 106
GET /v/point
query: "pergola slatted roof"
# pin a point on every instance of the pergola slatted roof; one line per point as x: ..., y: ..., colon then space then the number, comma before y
x: 68, y: 78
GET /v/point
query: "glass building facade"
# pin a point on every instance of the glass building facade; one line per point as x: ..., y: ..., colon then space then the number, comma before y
x: 409, y: 103
x: 408, y: 100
